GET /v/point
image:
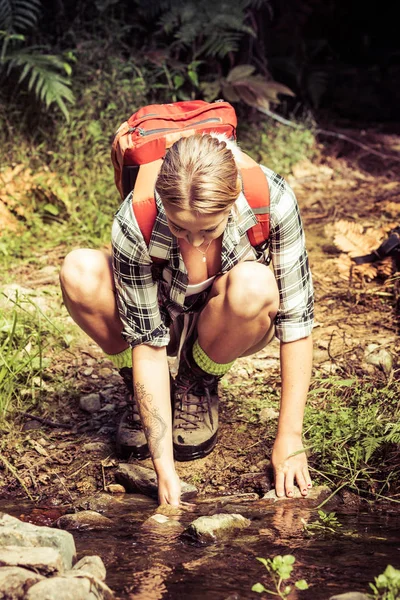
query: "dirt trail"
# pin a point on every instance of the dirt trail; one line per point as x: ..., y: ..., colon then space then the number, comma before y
x: 75, y: 456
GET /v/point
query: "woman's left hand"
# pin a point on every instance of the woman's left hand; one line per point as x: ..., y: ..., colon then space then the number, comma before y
x: 289, y: 462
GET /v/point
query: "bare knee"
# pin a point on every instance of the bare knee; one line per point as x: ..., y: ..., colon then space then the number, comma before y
x: 84, y: 273
x: 252, y: 292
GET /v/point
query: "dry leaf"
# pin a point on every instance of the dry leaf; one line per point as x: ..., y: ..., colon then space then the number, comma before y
x: 354, y: 239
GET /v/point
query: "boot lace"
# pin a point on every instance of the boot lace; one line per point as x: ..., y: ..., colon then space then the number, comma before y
x: 193, y: 398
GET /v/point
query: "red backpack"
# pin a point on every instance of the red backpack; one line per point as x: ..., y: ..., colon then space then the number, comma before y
x: 141, y: 142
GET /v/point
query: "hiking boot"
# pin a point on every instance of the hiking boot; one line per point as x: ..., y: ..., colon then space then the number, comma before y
x: 130, y: 439
x: 195, y: 426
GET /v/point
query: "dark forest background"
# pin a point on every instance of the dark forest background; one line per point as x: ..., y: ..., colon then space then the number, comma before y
x: 339, y: 59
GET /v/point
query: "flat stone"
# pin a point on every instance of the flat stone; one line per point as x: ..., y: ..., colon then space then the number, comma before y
x: 92, y: 565
x: 163, y: 526
x: 140, y: 479
x: 86, y: 519
x: 46, y: 561
x: 14, y: 532
x: 90, y: 403
x: 316, y: 495
x: 70, y: 587
x: 15, y: 582
x: 218, y: 526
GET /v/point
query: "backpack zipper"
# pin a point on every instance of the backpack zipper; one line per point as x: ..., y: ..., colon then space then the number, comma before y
x: 144, y: 133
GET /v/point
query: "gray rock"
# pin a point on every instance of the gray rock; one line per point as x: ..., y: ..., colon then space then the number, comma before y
x: 216, y: 526
x: 114, y: 505
x: 14, y: 532
x: 70, y: 587
x: 350, y: 596
x: 46, y: 561
x: 163, y: 525
x: 15, y: 582
x: 379, y: 357
x: 315, y: 495
x: 93, y: 565
x: 90, y: 403
x: 135, y: 478
x: 96, y: 447
x: 86, y: 519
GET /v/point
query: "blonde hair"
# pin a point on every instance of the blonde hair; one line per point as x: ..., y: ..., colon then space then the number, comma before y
x: 199, y: 173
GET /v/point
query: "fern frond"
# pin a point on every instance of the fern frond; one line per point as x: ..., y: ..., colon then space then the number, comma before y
x: 45, y: 79
x: 19, y: 15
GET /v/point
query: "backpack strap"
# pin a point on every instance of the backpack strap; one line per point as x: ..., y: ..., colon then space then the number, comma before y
x: 143, y: 201
x: 256, y: 191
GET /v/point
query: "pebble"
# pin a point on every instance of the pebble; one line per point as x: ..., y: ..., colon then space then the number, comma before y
x: 90, y: 403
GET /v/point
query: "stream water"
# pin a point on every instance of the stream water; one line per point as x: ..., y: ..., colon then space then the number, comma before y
x: 154, y: 563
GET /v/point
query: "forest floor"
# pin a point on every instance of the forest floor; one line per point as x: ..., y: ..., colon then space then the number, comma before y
x: 58, y: 453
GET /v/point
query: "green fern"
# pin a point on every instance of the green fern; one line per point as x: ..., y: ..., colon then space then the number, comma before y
x: 47, y: 76
x: 209, y: 28
x: 43, y: 74
x: 19, y: 15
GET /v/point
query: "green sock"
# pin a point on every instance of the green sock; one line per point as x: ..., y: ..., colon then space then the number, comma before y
x: 122, y: 359
x: 206, y: 364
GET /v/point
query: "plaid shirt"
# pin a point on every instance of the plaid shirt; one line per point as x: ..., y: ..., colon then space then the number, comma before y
x: 147, y: 305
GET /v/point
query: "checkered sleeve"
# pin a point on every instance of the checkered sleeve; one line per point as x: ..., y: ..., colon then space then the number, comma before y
x: 290, y: 261
x: 136, y: 292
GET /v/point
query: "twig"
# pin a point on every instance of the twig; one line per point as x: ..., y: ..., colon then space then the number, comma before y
x: 47, y: 421
x: 340, y: 136
x: 15, y: 473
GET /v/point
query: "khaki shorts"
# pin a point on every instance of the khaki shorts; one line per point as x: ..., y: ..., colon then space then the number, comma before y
x: 183, y: 326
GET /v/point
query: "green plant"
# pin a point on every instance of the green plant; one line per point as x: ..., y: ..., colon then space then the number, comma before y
x: 276, y: 146
x: 326, y: 523
x: 353, y: 434
x: 279, y: 569
x: 46, y: 75
x: 27, y: 340
x: 387, y: 585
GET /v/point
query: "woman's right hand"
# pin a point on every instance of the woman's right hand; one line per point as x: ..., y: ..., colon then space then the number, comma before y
x: 169, y: 489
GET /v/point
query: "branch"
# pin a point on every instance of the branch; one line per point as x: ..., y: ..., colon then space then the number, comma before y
x: 317, y: 131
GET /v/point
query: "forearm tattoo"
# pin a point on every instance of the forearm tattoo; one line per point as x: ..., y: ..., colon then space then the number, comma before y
x: 153, y: 424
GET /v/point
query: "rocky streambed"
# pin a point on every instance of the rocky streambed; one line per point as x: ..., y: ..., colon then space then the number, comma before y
x: 120, y: 544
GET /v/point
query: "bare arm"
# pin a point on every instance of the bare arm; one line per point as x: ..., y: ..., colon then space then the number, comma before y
x: 152, y: 393
x: 296, y: 364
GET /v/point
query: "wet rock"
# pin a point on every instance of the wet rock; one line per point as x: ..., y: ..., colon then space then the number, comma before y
x: 379, y: 357
x: 14, y: 532
x: 169, y: 511
x: 140, y: 479
x: 209, y: 529
x: 46, y: 561
x: 86, y: 519
x: 116, y: 504
x: 115, y: 488
x: 90, y: 403
x: 93, y: 565
x: 70, y: 587
x: 316, y: 494
x: 350, y: 596
x: 232, y: 499
x: 163, y: 526
x: 15, y: 582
